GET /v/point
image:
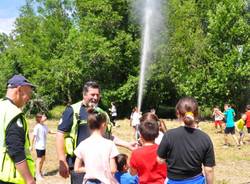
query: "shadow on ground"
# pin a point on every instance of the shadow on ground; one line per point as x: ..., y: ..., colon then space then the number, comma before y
x: 52, y: 173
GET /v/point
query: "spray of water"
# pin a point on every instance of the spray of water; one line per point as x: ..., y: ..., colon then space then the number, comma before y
x: 151, y: 23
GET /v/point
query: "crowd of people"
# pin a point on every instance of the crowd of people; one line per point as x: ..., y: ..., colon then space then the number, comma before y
x: 87, y: 149
x: 225, y: 121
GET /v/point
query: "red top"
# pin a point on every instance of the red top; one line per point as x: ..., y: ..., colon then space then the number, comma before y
x: 149, y: 170
x: 248, y: 119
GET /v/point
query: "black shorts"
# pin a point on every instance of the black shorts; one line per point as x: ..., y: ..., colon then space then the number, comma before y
x: 112, y: 118
x: 40, y: 153
x: 248, y: 130
x: 229, y: 130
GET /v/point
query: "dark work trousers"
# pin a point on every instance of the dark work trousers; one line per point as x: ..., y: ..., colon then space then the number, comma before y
x: 76, y: 178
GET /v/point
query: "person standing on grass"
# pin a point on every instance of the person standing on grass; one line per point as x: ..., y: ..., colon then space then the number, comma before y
x: 218, y: 118
x: 96, y: 155
x: 73, y: 129
x: 17, y: 165
x: 39, y: 138
x: 240, y: 127
x: 187, y: 149
x: 135, y: 121
x: 230, y: 127
x: 143, y: 160
x: 248, y: 119
x: 113, y: 113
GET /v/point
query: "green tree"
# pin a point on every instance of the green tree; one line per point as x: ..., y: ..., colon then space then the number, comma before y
x: 111, y: 49
x: 228, y: 38
x: 208, y: 45
x: 5, y: 65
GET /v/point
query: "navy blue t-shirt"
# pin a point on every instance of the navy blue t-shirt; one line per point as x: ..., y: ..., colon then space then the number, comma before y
x: 67, y: 122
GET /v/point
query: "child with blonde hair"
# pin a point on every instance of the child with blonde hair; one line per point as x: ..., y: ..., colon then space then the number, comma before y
x: 240, y: 127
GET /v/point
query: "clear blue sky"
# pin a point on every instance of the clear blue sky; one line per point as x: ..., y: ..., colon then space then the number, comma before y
x: 9, y: 10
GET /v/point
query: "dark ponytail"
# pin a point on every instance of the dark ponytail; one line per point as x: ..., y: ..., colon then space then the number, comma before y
x: 187, y: 109
x: 188, y: 119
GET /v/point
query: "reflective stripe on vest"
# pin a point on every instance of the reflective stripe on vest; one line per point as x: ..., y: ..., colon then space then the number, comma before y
x: 70, y: 138
x: 8, y: 171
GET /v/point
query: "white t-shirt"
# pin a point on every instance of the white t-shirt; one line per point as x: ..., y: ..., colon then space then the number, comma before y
x: 159, y: 138
x: 40, y: 133
x: 135, y: 118
x: 113, y: 111
x: 218, y: 117
x: 96, y: 153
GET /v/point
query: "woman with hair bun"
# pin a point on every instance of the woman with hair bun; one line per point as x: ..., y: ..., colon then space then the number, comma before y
x: 186, y: 149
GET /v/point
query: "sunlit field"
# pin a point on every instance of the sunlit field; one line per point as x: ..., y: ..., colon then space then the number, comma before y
x: 232, y: 164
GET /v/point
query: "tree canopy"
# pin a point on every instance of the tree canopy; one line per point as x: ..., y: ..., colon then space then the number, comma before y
x: 60, y: 44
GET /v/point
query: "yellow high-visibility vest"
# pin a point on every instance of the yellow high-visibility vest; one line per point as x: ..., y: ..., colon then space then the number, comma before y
x: 70, y: 138
x: 8, y: 171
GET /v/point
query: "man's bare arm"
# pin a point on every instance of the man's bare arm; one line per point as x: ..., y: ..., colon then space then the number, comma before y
x: 63, y: 166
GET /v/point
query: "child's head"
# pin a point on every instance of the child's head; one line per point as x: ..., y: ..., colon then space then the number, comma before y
x: 226, y: 106
x: 122, y: 162
x: 149, y: 127
x: 40, y: 117
x: 96, y: 120
x: 187, y: 110
x: 248, y: 108
x: 243, y: 116
x: 216, y: 108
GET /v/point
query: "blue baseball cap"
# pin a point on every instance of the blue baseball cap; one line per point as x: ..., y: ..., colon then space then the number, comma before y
x: 18, y: 80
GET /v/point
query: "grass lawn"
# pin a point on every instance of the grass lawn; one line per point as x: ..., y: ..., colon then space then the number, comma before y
x: 232, y: 164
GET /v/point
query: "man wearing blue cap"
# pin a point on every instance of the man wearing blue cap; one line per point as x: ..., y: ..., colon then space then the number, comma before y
x: 15, y: 158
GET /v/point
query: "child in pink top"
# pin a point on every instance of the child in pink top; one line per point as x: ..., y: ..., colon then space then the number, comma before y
x: 96, y: 155
x: 143, y: 160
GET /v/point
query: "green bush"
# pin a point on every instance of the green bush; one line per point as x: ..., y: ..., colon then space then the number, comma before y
x: 56, y: 112
x: 166, y: 112
x: 205, y: 113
